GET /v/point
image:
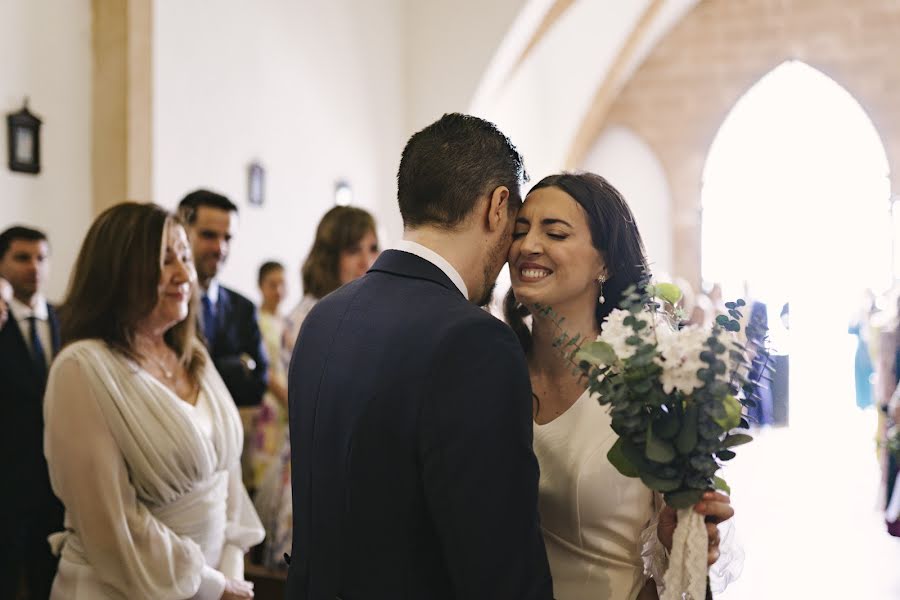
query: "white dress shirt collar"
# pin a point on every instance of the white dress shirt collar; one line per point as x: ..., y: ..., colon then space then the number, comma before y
x: 212, y: 292
x: 21, y: 311
x: 437, y: 260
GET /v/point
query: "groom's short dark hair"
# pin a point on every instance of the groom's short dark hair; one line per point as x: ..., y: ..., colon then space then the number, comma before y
x: 449, y: 165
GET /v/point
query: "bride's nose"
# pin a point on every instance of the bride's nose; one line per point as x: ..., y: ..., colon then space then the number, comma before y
x: 531, y: 244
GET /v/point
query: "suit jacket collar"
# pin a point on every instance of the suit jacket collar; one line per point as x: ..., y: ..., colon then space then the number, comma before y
x: 405, y: 264
x: 53, y: 320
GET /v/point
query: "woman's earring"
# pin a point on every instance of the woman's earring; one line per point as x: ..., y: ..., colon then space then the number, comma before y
x: 601, y: 280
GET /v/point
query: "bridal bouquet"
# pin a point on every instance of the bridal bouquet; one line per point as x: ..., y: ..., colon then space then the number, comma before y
x: 675, y: 395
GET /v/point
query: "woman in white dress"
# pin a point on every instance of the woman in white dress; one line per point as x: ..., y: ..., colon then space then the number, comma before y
x: 576, y: 248
x: 142, y: 438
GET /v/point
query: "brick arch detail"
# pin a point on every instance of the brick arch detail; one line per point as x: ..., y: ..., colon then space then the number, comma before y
x: 682, y: 93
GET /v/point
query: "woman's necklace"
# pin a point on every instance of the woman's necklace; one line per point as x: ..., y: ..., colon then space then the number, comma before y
x: 168, y: 374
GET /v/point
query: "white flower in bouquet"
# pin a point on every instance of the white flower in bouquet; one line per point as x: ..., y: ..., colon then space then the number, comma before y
x: 616, y: 333
x: 679, y: 356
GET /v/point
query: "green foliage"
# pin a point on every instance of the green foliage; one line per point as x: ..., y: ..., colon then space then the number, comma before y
x: 597, y: 353
x: 669, y: 292
x: 684, y: 498
x: 720, y: 484
x: 618, y: 459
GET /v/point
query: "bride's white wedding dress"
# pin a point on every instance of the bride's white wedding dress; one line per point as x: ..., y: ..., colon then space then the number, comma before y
x: 592, y: 517
x: 600, y: 526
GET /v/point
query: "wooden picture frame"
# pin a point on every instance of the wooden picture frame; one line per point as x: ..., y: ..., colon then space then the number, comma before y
x: 24, y: 141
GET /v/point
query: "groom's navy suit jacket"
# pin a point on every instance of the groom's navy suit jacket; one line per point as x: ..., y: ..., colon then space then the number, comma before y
x: 411, y: 430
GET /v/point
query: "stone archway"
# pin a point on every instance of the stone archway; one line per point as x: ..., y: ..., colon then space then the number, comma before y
x: 685, y: 88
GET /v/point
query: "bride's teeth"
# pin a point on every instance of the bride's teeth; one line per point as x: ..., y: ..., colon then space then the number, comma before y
x: 534, y: 273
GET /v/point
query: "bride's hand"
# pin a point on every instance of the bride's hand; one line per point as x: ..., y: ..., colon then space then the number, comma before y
x: 716, y: 507
x: 237, y: 589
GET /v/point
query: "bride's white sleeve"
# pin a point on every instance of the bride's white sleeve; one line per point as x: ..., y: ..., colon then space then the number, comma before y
x: 132, y: 552
x: 656, y: 558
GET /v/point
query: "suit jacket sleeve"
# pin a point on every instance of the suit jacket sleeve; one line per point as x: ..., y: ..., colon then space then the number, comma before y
x: 247, y: 387
x: 479, y: 470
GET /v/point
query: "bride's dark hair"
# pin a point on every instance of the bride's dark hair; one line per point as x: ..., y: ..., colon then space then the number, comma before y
x: 613, y: 232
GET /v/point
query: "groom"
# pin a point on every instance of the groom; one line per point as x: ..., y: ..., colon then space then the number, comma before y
x: 410, y: 407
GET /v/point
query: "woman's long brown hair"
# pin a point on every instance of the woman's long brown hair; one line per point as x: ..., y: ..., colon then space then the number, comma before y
x: 339, y: 230
x: 115, y: 282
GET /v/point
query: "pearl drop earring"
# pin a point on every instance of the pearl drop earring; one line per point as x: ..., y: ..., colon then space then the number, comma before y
x: 601, y: 280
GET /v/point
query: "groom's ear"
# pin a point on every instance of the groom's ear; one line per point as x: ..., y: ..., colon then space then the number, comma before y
x: 498, y: 209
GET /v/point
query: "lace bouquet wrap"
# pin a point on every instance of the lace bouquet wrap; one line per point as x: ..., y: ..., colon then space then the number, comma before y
x: 676, y: 397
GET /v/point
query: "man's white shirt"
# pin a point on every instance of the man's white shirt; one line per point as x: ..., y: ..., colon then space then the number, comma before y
x: 437, y: 260
x: 22, y: 312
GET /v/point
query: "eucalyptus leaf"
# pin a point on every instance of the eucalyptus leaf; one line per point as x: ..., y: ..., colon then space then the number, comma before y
x: 666, y: 425
x: 683, y: 499
x: 725, y: 454
x: 597, y: 353
x: 633, y: 454
x: 669, y: 292
x: 736, y: 439
x: 658, y: 450
x: 659, y: 484
x: 732, y: 416
x: 687, y: 437
x: 618, y: 459
x: 720, y: 484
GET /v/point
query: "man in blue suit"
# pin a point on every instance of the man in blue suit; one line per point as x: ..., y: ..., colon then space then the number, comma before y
x: 228, y: 319
x: 29, y: 339
x: 410, y: 407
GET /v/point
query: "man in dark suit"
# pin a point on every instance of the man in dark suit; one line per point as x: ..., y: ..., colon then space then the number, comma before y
x: 228, y: 319
x: 29, y: 339
x: 410, y: 407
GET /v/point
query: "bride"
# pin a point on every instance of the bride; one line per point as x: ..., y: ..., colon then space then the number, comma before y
x: 576, y: 248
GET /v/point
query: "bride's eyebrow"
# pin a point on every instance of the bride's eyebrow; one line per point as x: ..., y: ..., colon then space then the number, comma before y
x: 523, y: 221
x: 555, y: 222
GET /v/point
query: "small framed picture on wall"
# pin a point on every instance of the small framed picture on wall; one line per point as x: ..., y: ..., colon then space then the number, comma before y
x: 24, y: 141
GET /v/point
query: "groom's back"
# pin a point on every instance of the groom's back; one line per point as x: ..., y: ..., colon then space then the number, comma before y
x: 413, y: 474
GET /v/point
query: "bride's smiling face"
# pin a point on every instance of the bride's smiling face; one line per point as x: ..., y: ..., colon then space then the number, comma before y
x: 552, y: 260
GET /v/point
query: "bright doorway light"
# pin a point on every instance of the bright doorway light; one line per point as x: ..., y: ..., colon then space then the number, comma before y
x: 796, y: 206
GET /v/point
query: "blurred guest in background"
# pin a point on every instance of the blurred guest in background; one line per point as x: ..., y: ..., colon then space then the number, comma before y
x: 29, y: 339
x: 862, y: 362
x: 228, y: 319
x: 760, y: 366
x: 143, y: 439
x: 6, y: 294
x: 888, y: 380
x: 271, y: 422
x: 345, y: 246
